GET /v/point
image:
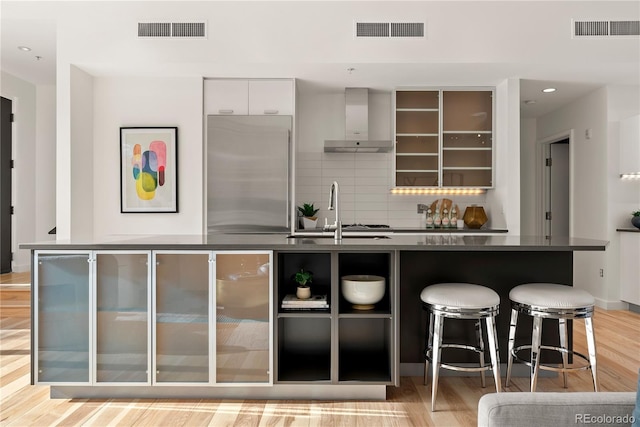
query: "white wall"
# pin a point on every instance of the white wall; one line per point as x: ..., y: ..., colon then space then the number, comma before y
x: 527, y: 177
x: 82, y: 176
x: 624, y: 196
x: 45, y: 166
x: 147, y: 101
x: 504, y: 200
x: 589, y: 176
x: 23, y: 97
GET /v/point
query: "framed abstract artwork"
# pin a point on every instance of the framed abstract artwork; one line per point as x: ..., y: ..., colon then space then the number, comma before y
x: 148, y: 169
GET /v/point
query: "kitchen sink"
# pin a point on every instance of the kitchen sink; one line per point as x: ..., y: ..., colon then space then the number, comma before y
x: 327, y: 236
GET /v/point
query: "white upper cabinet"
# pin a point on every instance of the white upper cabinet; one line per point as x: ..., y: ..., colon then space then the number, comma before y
x: 273, y: 97
x: 248, y: 97
x: 226, y: 97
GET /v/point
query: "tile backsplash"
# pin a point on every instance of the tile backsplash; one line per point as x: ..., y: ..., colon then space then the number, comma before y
x: 364, y: 180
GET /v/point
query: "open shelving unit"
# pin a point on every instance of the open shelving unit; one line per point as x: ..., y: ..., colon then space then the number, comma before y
x: 340, y: 344
x: 365, y: 336
x: 303, y: 336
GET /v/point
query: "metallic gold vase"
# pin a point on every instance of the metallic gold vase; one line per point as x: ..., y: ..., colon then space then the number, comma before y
x: 474, y: 217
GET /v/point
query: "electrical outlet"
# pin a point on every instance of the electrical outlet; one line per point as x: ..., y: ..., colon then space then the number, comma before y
x: 602, y: 272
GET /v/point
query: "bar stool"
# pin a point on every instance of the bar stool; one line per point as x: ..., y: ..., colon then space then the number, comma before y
x: 460, y: 301
x: 551, y: 301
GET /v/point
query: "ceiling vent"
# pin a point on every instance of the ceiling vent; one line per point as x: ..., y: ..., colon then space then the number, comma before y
x: 172, y: 29
x: 606, y: 28
x: 389, y: 29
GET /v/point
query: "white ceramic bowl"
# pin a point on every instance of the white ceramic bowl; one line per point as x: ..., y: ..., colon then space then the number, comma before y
x: 363, y: 289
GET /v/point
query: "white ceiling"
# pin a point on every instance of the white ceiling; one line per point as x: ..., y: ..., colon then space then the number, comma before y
x: 466, y: 43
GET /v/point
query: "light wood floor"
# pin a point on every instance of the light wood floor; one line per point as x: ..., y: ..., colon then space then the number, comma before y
x: 21, y: 404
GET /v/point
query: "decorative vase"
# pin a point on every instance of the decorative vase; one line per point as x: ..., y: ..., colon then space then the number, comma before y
x: 309, y: 223
x: 303, y: 292
x: 635, y: 221
x: 474, y: 217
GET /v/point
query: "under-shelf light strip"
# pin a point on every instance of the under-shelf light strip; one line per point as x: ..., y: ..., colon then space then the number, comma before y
x: 443, y: 191
x: 630, y: 176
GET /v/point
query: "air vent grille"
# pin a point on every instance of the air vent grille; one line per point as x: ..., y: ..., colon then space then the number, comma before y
x: 625, y: 28
x: 389, y: 29
x: 372, y: 29
x: 154, y: 29
x: 172, y: 29
x: 407, y: 29
x: 606, y: 28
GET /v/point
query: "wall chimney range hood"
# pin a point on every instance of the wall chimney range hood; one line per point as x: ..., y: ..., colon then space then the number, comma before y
x: 357, y: 127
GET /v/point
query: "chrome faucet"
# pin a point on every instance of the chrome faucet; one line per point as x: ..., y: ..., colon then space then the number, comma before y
x: 334, y: 196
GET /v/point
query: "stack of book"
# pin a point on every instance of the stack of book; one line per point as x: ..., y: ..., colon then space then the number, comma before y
x: 316, y: 302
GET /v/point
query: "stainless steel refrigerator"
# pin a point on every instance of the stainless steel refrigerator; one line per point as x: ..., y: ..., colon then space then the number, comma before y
x: 248, y: 173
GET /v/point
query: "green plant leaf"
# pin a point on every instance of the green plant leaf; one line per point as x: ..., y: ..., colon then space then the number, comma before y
x: 308, y: 210
x: 303, y: 277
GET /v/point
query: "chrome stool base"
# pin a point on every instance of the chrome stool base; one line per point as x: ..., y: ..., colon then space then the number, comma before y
x: 541, y: 308
x: 436, y: 302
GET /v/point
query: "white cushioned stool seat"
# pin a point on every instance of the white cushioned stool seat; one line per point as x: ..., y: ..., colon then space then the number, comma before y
x: 558, y: 302
x: 460, y: 301
x: 460, y: 295
x: 551, y: 295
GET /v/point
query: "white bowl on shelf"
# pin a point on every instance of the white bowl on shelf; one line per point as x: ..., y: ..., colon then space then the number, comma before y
x: 363, y: 290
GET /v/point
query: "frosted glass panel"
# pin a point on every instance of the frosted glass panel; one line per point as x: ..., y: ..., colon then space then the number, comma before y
x: 63, y: 318
x: 182, y: 317
x: 242, y: 320
x: 123, y: 318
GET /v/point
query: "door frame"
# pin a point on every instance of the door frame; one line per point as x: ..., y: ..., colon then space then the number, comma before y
x: 543, y: 148
x: 12, y: 190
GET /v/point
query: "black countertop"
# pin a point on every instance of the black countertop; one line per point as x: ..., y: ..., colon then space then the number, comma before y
x: 417, y: 230
x: 629, y: 230
x: 368, y: 241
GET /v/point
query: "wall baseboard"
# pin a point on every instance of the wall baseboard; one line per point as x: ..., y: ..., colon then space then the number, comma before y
x: 612, y: 305
x: 21, y: 268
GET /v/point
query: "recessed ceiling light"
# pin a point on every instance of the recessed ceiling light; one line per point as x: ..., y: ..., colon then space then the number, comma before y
x: 24, y: 48
x: 549, y: 90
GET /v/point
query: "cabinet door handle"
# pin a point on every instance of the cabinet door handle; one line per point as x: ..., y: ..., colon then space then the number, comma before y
x: 225, y: 111
x: 271, y: 111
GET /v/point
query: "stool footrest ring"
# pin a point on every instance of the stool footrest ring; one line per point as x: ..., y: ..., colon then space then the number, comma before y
x: 460, y: 368
x: 551, y: 368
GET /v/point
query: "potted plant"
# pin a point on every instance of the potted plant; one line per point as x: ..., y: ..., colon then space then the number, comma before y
x: 303, y: 278
x: 309, y: 219
x: 635, y: 218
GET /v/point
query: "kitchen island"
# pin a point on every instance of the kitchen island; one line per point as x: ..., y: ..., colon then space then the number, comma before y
x: 202, y: 315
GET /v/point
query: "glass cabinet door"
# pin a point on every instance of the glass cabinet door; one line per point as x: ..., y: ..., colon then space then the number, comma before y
x: 467, y: 139
x: 62, y: 317
x: 417, y: 128
x: 182, y: 317
x: 243, y: 317
x: 122, y: 317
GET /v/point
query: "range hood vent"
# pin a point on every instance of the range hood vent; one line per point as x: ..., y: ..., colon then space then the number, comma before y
x: 357, y: 127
